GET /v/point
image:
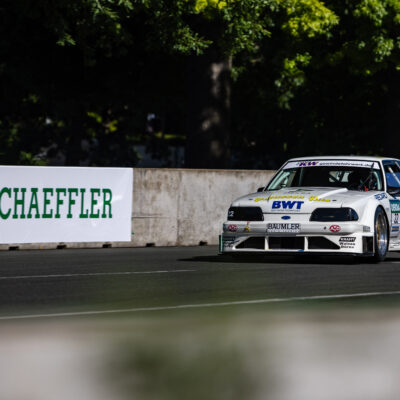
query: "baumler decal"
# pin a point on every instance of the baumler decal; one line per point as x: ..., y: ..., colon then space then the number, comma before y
x: 280, y: 227
x: 29, y: 203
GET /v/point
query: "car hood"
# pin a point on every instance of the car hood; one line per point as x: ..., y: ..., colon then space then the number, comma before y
x: 303, y: 200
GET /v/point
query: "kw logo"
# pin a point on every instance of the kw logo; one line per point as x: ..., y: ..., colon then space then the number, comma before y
x: 308, y: 164
x: 287, y: 205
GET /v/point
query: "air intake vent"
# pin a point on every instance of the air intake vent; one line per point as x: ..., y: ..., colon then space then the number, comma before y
x: 368, y: 244
x: 252, y: 243
x: 245, y: 214
x: 321, y: 243
x: 286, y: 243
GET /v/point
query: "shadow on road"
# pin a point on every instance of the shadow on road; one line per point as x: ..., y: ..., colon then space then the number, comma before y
x: 265, y: 259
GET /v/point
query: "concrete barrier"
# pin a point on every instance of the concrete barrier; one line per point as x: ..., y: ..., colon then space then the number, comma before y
x: 177, y: 207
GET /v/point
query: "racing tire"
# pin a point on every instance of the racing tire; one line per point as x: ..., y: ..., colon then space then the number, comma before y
x: 381, y: 236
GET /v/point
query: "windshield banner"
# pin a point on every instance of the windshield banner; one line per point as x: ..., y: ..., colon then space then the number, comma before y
x: 65, y: 204
x: 332, y: 163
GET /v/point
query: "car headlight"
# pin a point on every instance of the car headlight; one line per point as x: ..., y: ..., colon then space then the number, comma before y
x: 334, y: 214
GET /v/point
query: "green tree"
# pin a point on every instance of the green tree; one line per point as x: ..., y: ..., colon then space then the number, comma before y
x: 340, y: 96
x: 217, y: 34
x: 92, y: 69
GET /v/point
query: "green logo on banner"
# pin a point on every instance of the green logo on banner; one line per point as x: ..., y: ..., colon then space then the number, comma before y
x: 24, y: 203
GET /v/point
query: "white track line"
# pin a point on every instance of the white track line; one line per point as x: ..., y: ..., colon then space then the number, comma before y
x: 203, y: 305
x: 94, y: 274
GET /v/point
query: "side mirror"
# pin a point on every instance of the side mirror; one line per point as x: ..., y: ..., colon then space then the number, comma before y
x: 261, y: 189
x: 393, y: 190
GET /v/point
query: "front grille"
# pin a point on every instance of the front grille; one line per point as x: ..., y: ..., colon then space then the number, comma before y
x: 286, y: 243
x: 321, y: 243
x: 245, y: 214
x: 253, y: 243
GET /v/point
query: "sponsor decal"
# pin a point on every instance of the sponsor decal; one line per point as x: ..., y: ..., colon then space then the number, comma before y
x: 335, y: 228
x: 332, y: 163
x: 59, y: 204
x: 228, y: 242
x: 381, y: 196
x: 347, y: 239
x: 283, y: 228
x: 277, y: 197
x: 347, y: 242
x: 307, y: 163
x: 246, y: 229
x: 395, y: 206
x: 287, y: 205
x: 56, y: 203
x: 395, y: 228
x: 286, y: 217
x: 231, y: 213
x: 232, y: 228
x: 315, y: 198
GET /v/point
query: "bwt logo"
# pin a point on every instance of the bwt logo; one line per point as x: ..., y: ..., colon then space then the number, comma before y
x: 287, y: 205
x: 308, y: 163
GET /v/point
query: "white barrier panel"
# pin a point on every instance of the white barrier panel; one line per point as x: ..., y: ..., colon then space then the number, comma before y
x: 60, y: 204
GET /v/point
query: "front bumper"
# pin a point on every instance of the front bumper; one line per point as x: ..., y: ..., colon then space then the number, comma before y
x: 310, y: 237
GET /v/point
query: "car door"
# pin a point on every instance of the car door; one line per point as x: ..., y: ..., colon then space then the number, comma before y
x: 392, y: 177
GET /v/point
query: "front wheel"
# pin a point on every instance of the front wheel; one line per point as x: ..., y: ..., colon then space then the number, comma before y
x: 380, y: 236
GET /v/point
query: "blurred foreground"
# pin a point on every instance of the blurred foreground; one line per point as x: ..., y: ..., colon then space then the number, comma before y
x: 235, y: 353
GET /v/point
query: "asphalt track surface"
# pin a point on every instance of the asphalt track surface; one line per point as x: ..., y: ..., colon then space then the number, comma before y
x: 60, y: 283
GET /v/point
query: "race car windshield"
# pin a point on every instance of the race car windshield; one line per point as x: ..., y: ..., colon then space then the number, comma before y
x: 352, y: 177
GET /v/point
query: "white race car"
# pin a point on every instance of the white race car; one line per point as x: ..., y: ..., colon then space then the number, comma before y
x: 320, y: 205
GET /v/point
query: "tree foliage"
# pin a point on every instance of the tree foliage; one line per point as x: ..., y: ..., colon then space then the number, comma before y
x: 336, y: 94
x: 79, y: 78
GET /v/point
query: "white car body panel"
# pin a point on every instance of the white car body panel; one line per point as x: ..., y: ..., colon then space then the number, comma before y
x: 287, y: 212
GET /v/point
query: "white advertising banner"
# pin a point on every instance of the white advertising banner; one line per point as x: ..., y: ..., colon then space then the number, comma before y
x: 65, y: 204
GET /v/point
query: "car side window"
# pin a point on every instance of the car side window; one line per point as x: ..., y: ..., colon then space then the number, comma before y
x: 392, y: 173
x: 377, y: 180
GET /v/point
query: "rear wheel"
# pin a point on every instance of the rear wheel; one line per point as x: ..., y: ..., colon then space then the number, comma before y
x: 381, y: 239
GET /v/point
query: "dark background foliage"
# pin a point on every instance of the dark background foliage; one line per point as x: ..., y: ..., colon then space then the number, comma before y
x: 241, y: 83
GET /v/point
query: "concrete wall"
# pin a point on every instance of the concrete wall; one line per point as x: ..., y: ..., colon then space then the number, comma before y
x: 178, y: 207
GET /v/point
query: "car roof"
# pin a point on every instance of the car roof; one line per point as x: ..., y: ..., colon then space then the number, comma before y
x: 363, y: 158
